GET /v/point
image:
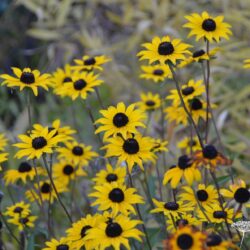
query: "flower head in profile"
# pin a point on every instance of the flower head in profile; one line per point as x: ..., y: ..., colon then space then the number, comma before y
x: 62, y: 244
x: 26, y: 78
x: 208, y: 27
x: 149, y: 101
x: 115, y: 232
x: 120, y: 120
x: 159, y: 146
x: 164, y: 50
x: 187, y: 143
x: 3, y: 141
x: 117, y: 197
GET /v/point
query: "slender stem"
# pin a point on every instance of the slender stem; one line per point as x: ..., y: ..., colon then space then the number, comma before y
x: 174, y: 224
x: 159, y: 179
x: 54, y: 187
x: 29, y: 110
x: 99, y: 98
x: 22, y: 240
x: 147, y: 123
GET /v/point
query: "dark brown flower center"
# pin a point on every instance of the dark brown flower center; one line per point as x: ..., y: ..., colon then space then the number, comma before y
x: 209, y: 25
x: 46, y: 188
x: 184, y: 162
x: 131, y: 146
x: 198, y: 53
x: 18, y: 210
x: 210, y: 152
x: 187, y: 91
x: 24, y: 220
x: 113, y: 230
x: 68, y: 170
x: 165, y: 48
x: 79, y: 84
x: 202, y: 195
x: 62, y: 247
x: 150, y: 103
x: 213, y: 240
x: 27, y: 78
x: 196, y: 104
x: 242, y: 195
x: 120, y: 120
x: 182, y: 222
x: 171, y: 205
x: 89, y: 61
x: 111, y: 177
x: 192, y: 143
x: 116, y: 195
x: 24, y: 167
x: 158, y: 72
x: 39, y: 142
x: 220, y: 214
x: 77, y: 150
x: 84, y: 230
x: 67, y: 79
x: 185, y: 241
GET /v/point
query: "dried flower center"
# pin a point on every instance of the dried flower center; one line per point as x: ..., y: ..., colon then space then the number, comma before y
x: 116, y: 195
x: 158, y: 72
x: 196, y: 104
x: 27, y: 78
x: 113, y: 230
x: 184, y: 162
x: 84, y: 230
x: 185, y: 241
x: 202, y: 195
x: 46, y: 188
x: 150, y: 103
x: 79, y: 84
x: 209, y: 25
x: 187, y: 91
x: 68, y: 170
x: 77, y: 150
x: 67, y: 79
x: 182, y: 222
x: 90, y: 61
x: 242, y: 195
x: 171, y: 205
x: 198, y: 53
x: 62, y: 247
x: 220, y: 214
x: 165, y: 48
x: 120, y: 120
x: 213, y: 240
x: 131, y: 146
x: 111, y: 177
x: 210, y: 152
x: 24, y: 167
x: 18, y: 210
x: 39, y: 142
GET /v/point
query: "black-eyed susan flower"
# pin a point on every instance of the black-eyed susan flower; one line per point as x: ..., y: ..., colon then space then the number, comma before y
x: 187, y: 143
x: 206, y: 195
x: 90, y: 63
x: 110, y: 174
x: 157, y: 73
x: 186, y: 238
x: 26, y: 78
x: 185, y: 168
x: 238, y: 193
x: 22, y: 223
x: 65, y: 132
x: 115, y: 232
x: 81, y: 85
x: 189, y: 91
x: 216, y: 242
x: 34, y: 145
x: 66, y: 171
x: 208, y: 27
x: 61, y: 244
x: 120, y: 120
x: 19, y: 209
x: 210, y: 157
x: 3, y: 142
x: 149, y: 101
x: 46, y: 191
x: 3, y: 158
x: 159, y: 145
x: 80, y: 229
x: 77, y: 153
x: 133, y: 149
x: 25, y: 172
x: 246, y: 64
x: 170, y: 208
x: 117, y: 197
x: 164, y: 50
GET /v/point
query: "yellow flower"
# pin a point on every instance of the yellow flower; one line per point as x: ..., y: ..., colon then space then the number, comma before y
x: 23, y: 223
x: 19, y: 209
x: 149, y: 101
x: 117, y: 197
x: 26, y: 78
x: 157, y: 73
x: 186, y: 143
x: 208, y: 27
x: 120, y: 120
x: 3, y: 142
x: 246, y: 64
x: 163, y: 50
x: 3, y: 158
x: 215, y: 242
x: 61, y: 244
x: 159, y: 145
x: 77, y: 153
x: 133, y: 149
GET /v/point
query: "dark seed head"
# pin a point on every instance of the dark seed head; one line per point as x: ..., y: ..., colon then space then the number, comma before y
x: 165, y: 48
x: 113, y: 230
x: 242, y: 195
x: 46, y: 188
x: 210, y: 152
x: 198, y: 53
x: 131, y: 146
x: 18, y: 210
x: 213, y: 240
x: 185, y: 241
x: 120, y: 120
x: 150, y: 103
x: 24, y: 220
x: 220, y: 214
x: 184, y: 162
x: 182, y: 222
x: 84, y: 230
x: 209, y: 25
x: 68, y: 170
x: 39, y: 142
x: 187, y: 91
x: 196, y: 104
x: 77, y: 150
x: 202, y: 195
x: 158, y: 72
x: 67, y: 79
x: 192, y: 143
x: 27, y: 78
x: 116, y: 195
x: 111, y: 177
x: 24, y: 167
x: 89, y: 61
x: 171, y: 205
x: 80, y: 84
x: 62, y: 247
